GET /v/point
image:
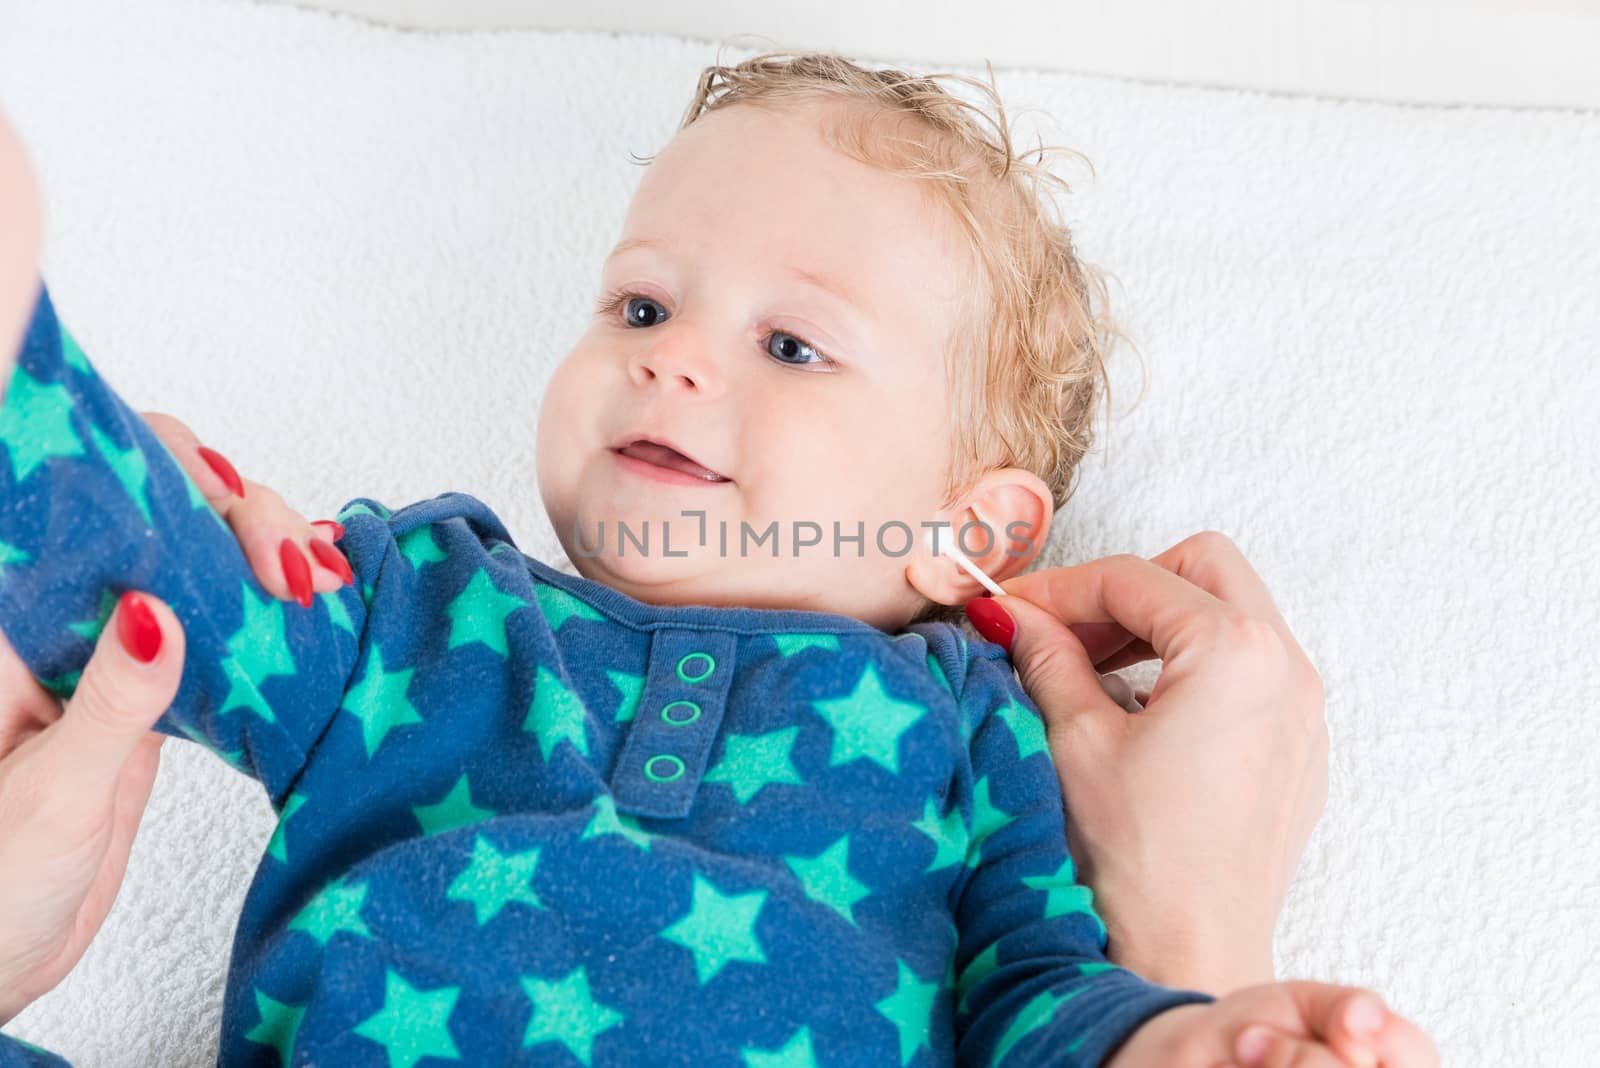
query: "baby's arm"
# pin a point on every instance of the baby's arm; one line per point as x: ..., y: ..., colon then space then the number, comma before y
x: 91, y: 504
x: 1033, y: 983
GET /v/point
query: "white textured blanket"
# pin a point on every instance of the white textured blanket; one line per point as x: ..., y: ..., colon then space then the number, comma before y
x: 350, y: 256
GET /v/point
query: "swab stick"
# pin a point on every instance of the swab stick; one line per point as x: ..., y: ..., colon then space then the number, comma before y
x: 948, y: 548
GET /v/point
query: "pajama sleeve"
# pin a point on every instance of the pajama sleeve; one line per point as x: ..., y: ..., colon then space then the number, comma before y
x: 92, y: 504
x: 1033, y: 985
x: 15, y: 1053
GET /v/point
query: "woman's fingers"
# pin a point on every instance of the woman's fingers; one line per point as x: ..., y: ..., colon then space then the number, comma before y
x: 1145, y: 599
x: 72, y: 794
x: 1209, y: 560
x: 1282, y: 1050
x: 260, y: 520
x: 132, y: 798
x: 1212, y: 561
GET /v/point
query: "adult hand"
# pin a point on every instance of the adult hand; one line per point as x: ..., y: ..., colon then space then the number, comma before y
x: 74, y: 782
x: 1187, y: 819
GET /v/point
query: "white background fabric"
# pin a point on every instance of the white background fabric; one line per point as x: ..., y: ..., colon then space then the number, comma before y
x: 350, y: 257
x: 1504, y: 52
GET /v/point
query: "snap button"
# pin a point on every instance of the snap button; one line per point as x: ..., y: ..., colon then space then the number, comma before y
x: 711, y: 665
x: 689, y: 717
x: 671, y: 760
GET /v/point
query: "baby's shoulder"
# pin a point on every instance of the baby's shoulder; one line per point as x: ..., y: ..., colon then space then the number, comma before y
x: 976, y: 673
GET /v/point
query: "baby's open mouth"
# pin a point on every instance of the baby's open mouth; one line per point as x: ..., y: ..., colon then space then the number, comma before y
x: 660, y: 454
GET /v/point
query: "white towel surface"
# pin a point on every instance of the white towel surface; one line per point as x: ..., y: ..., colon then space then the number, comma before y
x: 350, y: 257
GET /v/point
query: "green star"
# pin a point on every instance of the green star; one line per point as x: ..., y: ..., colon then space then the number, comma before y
x: 413, y: 1023
x: 790, y: 644
x: 90, y: 629
x: 337, y: 907
x: 938, y: 672
x: 631, y: 687
x: 11, y: 555
x: 949, y: 834
x: 379, y: 701
x: 494, y: 879
x: 910, y: 1009
x: 1064, y: 895
x: 478, y: 614
x: 607, y: 820
x: 751, y: 761
x: 338, y: 614
x: 130, y: 467
x: 356, y: 508
x: 419, y: 547
x: 719, y: 928
x: 276, y: 847
x: 258, y: 650
x: 36, y: 423
x: 827, y: 879
x: 868, y: 722
x: 71, y: 354
x: 1026, y: 727
x: 977, y: 968
x: 556, y: 714
x: 559, y: 606
x: 565, y: 1012
x: 456, y: 810
x: 279, y: 1025
x: 1034, y: 1015
x: 987, y: 818
x: 795, y: 1053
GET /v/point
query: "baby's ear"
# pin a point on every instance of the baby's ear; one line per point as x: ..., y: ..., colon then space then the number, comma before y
x: 1001, y: 526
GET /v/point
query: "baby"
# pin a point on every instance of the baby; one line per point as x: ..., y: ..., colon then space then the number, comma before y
x: 741, y: 792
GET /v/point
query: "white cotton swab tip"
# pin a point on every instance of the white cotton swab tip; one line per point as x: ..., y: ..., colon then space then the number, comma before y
x: 947, y: 547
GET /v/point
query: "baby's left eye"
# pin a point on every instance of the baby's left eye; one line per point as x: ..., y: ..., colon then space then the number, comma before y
x: 789, y: 346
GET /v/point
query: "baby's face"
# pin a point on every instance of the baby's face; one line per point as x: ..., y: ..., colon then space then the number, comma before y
x: 784, y: 312
x: 20, y: 227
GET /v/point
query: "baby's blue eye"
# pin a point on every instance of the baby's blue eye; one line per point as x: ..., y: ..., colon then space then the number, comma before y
x: 785, y: 351
x: 627, y: 312
x: 792, y: 344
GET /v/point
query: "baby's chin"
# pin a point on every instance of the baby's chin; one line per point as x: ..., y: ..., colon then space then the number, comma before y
x: 702, y: 577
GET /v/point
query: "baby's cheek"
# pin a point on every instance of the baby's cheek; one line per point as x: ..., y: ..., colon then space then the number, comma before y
x: 21, y: 224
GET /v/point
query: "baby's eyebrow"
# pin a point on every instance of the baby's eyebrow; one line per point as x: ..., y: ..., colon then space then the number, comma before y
x: 632, y: 243
x: 821, y: 281
x: 828, y: 285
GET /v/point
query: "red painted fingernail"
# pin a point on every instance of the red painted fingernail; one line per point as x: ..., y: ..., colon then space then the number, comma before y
x: 137, y: 628
x: 224, y: 470
x: 338, y: 528
x: 296, y: 570
x: 992, y: 621
x: 332, y: 559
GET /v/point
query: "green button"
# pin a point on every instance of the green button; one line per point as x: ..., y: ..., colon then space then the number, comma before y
x: 666, y: 713
x: 711, y: 665
x: 648, y: 770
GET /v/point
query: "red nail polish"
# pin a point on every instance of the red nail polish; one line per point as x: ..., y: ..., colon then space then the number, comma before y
x: 992, y: 621
x: 338, y: 528
x: 296, y: 571
x: 137, y: 628
x: 224, y: 470
x: 332, y: 559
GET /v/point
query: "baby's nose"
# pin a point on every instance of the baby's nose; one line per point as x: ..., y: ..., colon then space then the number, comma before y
x: 678, y: 364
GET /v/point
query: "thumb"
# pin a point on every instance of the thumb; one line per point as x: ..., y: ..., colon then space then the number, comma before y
x: 119, y: 696
x: 1055, y: 670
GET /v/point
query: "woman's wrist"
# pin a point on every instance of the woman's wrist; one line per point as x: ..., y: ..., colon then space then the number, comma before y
x: 1190, y: 960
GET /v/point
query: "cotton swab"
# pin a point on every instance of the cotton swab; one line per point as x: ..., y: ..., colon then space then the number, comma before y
x: 948, y: 548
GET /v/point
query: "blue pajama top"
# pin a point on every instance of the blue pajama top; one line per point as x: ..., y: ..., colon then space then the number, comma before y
x: 526, y: 819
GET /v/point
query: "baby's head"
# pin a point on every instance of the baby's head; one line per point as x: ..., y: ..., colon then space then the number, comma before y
x: 851, y: 310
